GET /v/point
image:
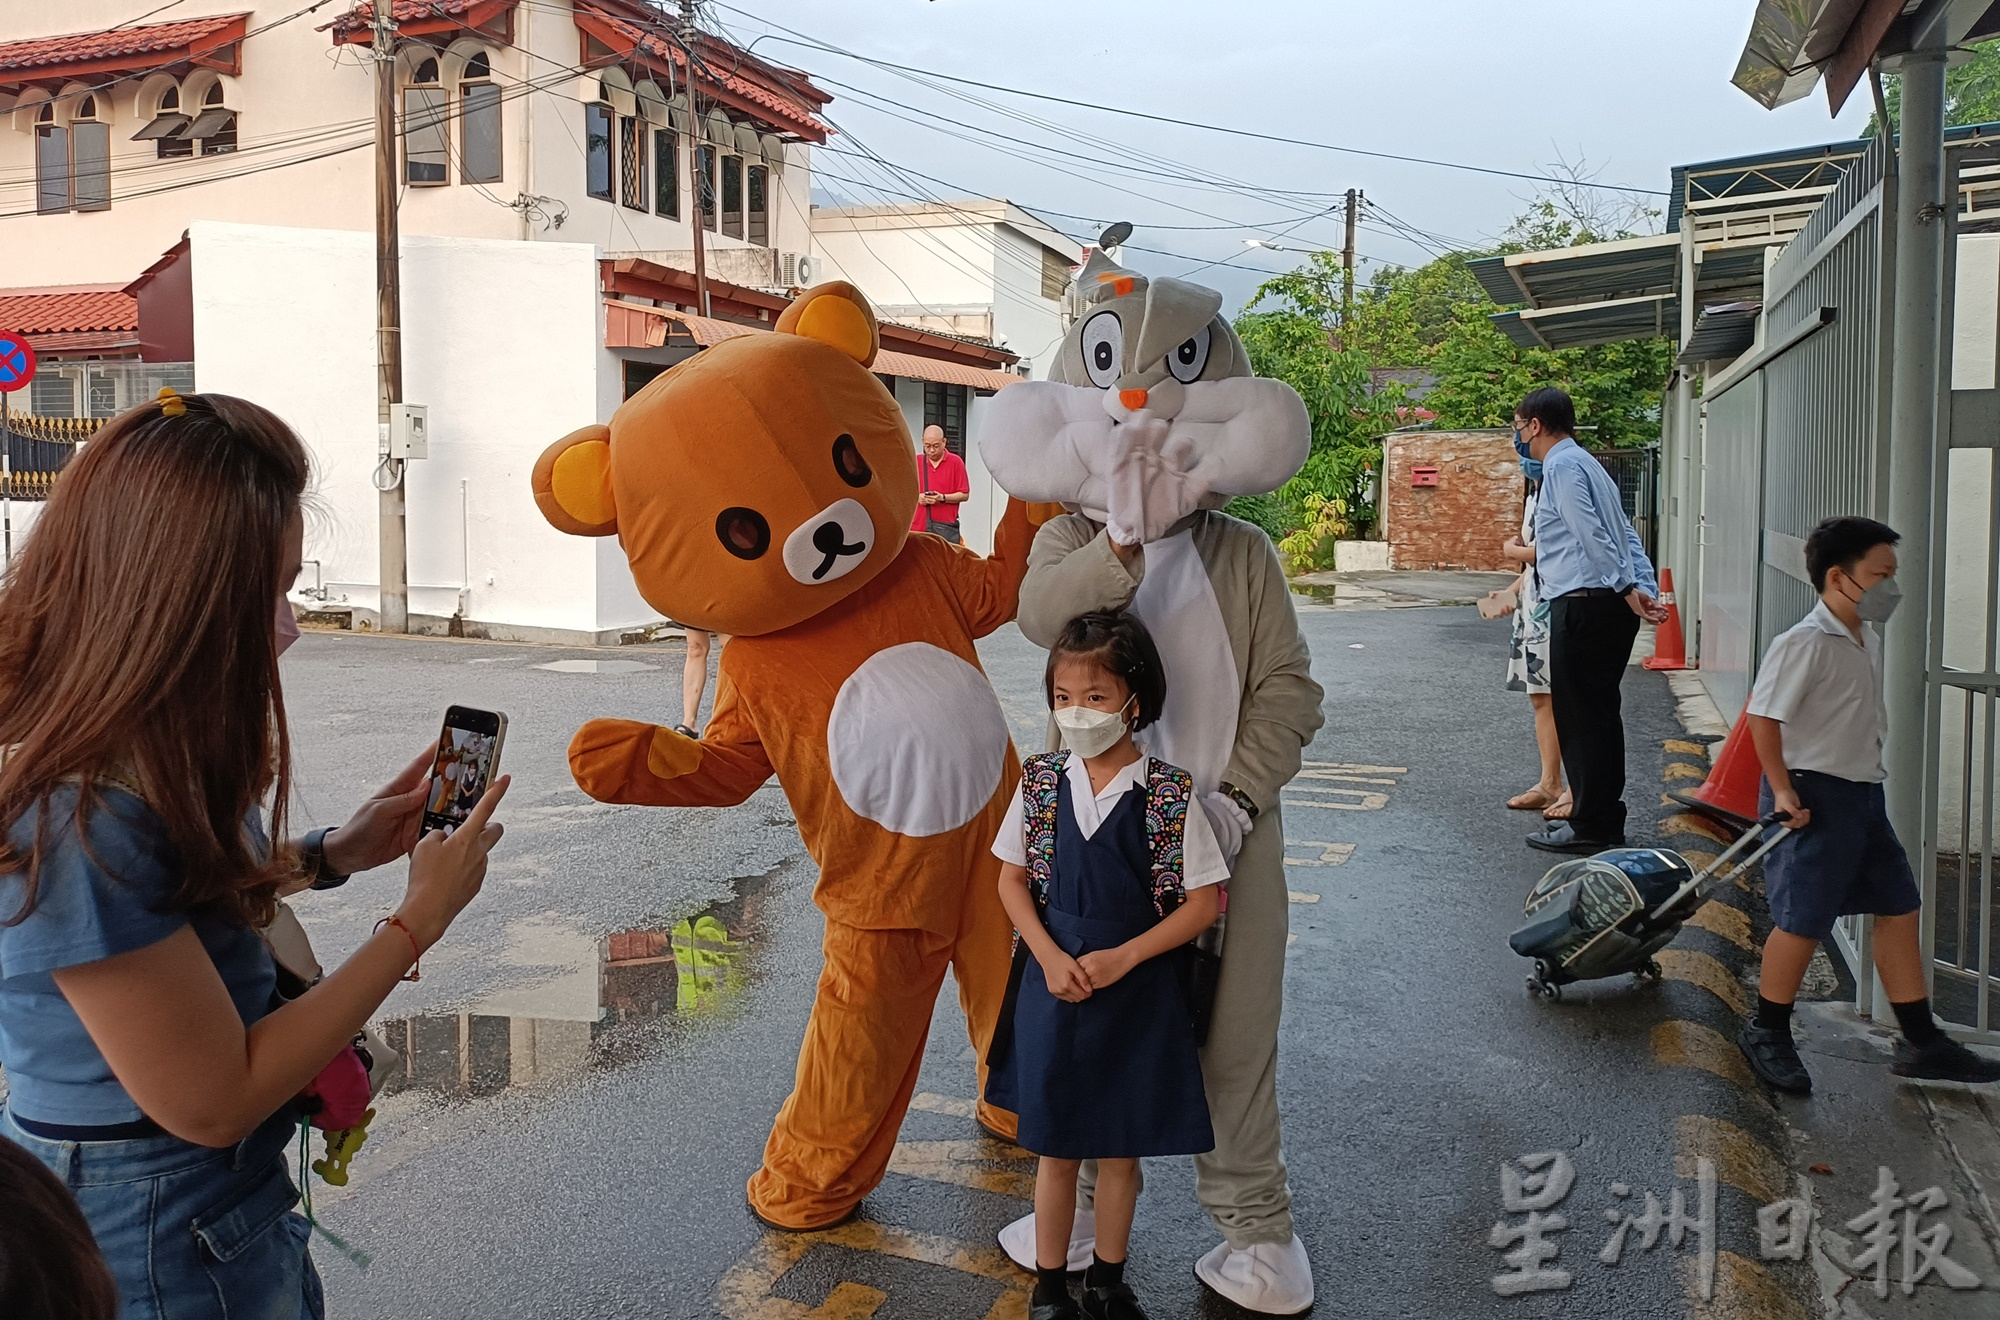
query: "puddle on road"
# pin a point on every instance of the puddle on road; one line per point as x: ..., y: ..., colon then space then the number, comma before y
x: 593, y: 1015
x: 1323, y: 592
x: 598, y: 666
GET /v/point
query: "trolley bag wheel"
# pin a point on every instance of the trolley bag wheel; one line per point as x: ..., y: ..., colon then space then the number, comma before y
x: 1649, y: 970
x: 1540, y: 982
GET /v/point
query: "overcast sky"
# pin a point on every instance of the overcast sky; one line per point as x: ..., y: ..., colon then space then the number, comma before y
x: 1631, y: 87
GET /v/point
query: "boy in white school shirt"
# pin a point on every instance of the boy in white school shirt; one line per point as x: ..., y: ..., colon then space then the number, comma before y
x: 1818, y: 720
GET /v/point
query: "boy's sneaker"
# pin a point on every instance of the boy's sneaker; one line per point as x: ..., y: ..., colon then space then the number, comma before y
x: 1774, y: 1057
x: 1118, y: 1302
x: 1943, y: 1060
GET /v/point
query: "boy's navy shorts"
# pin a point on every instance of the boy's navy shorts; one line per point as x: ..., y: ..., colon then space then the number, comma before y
x: 1847, y: 861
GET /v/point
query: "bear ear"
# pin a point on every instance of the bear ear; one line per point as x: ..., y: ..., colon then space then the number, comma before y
x: 573, y: 483
x: 835, y: 313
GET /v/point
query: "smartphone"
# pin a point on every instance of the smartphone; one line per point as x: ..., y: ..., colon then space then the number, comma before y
x: 468, y: 756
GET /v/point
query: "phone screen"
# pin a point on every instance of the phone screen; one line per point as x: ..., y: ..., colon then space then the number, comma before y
x: 468, y: 755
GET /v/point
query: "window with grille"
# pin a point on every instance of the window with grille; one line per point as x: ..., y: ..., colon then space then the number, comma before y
x: 479, y: 122
x: 732, y: 196
x: 1055, y: 275
x: 51, y: 162
x: 426, y: 146
x: 704, y: 163
x: 944, y: 407
x: 758, y: 213
x: 167, y: 130
x: 632, y: 162
x: 597, y: 150
x: 666, y: 173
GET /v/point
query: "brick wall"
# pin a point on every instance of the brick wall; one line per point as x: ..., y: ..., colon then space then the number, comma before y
x: 1461, y: 521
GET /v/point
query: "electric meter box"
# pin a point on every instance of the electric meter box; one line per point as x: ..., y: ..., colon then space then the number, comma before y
x: 408, y: 433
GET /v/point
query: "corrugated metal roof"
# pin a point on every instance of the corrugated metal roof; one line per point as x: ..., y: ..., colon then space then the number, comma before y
x: 1592, y: 323
x: 46, y: 53
x: 1721, y: 332
x: 1588, y: 272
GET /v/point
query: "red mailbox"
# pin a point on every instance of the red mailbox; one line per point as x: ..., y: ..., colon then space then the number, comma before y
x: 1423, y: 476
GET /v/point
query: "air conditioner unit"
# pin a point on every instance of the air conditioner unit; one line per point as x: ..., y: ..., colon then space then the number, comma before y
x: 795, y: 270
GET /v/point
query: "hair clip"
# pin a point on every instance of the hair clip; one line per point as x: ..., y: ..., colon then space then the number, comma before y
x: 171, y: 403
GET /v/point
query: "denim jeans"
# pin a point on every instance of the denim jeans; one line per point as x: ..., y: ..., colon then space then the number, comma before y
x: 192, y: 1233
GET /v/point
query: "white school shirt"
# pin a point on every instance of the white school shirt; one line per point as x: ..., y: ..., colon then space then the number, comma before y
x: 1201, y: 855
x: 1826, y: 689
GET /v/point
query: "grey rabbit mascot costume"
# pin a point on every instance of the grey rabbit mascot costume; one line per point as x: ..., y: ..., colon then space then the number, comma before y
x: 1151, y: 420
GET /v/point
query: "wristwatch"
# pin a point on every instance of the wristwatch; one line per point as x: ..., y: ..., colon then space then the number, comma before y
x: 1240, y: 798
x: 312, y: 861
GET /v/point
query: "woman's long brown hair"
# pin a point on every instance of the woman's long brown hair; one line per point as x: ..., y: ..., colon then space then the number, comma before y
x: 136, y: 641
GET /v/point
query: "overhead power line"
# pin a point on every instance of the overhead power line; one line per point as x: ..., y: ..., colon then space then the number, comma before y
x: 797, y: 38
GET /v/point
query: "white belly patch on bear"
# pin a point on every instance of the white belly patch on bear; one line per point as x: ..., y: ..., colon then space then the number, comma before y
x: 916, y: 740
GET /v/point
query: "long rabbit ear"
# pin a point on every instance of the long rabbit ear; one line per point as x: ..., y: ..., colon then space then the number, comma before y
x: 834, y: 313
x: 572, y: 483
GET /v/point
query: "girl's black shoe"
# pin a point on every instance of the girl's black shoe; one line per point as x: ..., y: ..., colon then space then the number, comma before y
x: 1118, y: 1302
x: 1063, y: 1310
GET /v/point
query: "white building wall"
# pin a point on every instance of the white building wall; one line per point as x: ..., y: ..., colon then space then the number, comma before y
x: 1023, y: 320
x: 899, y: 266
x: 300, y: 96
x: 502, y: 341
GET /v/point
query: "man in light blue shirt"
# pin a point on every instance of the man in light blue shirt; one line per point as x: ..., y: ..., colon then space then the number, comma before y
x: 1599, y: 584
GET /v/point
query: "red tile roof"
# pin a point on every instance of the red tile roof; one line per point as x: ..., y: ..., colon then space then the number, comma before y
x: 786, y: 97
x: 68, y: 307
x: 75, y: 318
x: 38, y: 55
x: 356, y: 20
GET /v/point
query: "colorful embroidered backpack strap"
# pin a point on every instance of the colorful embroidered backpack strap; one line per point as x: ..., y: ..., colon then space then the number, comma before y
x: 1169, y: 791
x: 1041, y: 789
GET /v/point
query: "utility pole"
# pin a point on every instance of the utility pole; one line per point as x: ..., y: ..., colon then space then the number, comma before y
x: 393, y: 549
x: 1347, y: 266
x: 703, y: 189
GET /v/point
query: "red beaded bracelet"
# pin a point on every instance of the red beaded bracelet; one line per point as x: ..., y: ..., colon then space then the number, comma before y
x: 416, y: 953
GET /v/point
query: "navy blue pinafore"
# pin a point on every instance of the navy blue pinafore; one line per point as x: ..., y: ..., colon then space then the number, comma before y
x: 1118, y: 1075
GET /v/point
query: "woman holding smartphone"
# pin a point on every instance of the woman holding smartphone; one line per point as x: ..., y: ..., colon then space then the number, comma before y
x: 149, y: 1062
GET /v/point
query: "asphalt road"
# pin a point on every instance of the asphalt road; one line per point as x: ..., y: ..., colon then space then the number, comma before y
x: 595, y: 1052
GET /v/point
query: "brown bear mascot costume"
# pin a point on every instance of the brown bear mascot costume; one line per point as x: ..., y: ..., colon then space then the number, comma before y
x: 764, y: 489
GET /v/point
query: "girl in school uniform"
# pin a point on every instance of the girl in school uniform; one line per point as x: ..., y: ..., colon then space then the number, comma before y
x: 1108, y: 875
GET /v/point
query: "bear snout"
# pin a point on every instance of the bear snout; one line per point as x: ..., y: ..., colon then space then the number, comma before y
x: 830, y: 544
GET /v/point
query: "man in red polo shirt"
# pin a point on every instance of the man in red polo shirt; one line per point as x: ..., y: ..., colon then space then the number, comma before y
x: 942, y: 486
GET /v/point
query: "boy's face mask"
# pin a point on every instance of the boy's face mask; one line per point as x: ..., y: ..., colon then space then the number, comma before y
x: 1878, y: 602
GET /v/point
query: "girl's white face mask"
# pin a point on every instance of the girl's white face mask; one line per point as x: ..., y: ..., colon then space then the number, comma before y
x: 1090, y: 733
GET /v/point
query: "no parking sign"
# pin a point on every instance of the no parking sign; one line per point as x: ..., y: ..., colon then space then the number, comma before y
x: 17, y: 361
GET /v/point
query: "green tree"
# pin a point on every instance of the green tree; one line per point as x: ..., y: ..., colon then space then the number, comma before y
x: 1971, y: 91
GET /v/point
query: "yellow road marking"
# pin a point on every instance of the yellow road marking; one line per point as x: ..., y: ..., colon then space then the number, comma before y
x: 1682, y: 770
x: 931, y: 1103
x: 1682, y: 1044
x: 1299, y: 897
x: 1741, y: 1161
x: 1363, y: 799
x: 1353, y: 769
x: 1292, y: 938
x: 744, y: 1293
x: 1686, y: 822
x: 1347, y: 778
x: 973, y: 1164
x: 1724, y: 920
x: 1744, y: 1290
x: 1685, y: 748
x: 1700, y: 969
x: 1331, y: 854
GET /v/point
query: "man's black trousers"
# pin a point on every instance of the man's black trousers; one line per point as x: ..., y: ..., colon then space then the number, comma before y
x: 1590, y: 644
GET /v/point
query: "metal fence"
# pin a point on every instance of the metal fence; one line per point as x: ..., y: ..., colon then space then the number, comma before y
x: 37, y: 449
x: 1637, y: 472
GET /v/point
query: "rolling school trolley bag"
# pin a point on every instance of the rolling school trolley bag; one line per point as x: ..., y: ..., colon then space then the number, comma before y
x: 1608, y: 914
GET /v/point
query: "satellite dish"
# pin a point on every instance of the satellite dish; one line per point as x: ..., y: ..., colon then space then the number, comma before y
x: 1115, y: 235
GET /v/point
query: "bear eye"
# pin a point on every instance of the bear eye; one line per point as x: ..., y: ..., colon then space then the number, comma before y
x: 847, y: 461
x: 743, y: 532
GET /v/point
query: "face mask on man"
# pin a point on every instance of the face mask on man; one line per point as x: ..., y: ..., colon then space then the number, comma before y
x: 1878, y: 602
x: 1088, y: 732
x: 1531, y: 468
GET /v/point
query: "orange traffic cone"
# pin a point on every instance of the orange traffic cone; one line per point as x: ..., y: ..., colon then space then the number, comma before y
x: 1729, y: 794
x: 1669, y: 645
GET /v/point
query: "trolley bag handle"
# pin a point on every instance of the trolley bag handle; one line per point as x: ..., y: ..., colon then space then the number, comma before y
x: 1756, y: 834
